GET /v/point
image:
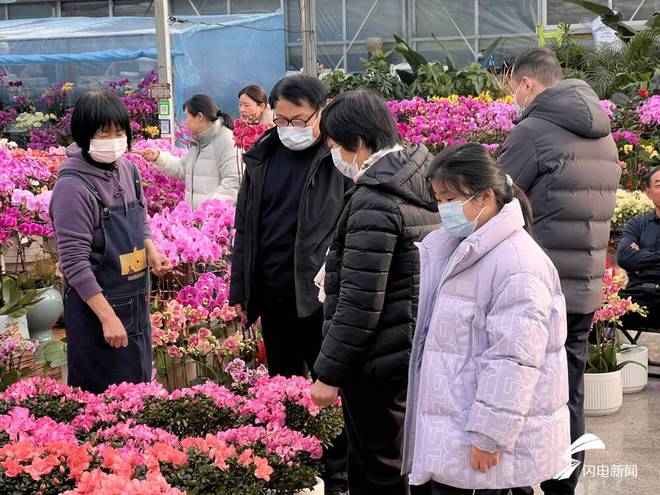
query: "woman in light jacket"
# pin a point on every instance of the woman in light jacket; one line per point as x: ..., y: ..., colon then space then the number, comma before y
x: 210, y: 168
x: 488, y: 383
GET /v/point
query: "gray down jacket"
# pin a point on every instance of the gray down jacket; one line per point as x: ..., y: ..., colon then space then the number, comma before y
x: 561, y: 153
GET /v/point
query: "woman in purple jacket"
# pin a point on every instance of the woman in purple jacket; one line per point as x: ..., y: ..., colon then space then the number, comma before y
x: 105, y: 249
x: 488, y: 382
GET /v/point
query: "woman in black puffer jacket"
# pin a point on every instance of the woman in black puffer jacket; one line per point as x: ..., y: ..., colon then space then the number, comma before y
x: 371, y: 286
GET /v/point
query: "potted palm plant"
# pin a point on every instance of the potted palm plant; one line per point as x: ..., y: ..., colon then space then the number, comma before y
x: 603, y: 386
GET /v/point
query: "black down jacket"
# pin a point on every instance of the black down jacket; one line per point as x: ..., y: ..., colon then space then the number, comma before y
x: 372, y: 272
x: 562, y: 155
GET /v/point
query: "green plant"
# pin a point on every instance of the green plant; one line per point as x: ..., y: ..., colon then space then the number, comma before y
x: 610, y: 18
x: 326, y: 425
x: 337, y: 82
x: 189, y: 416
x: 431, y: 80
x: 385, y: 84
x: 601, y: 356
x: 414, y: 59
x: 474, y: 80
x: 379, y: 61
x: 15, y: 302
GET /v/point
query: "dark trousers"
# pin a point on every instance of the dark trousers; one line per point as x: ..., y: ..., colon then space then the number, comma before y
x: 576, y: 353
x: 292, y: 343
x: 292, y: 346
x: 374, y: 427
x: 440, y: 489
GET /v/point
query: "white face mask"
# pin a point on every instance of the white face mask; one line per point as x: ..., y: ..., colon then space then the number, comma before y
x: 297, y: 138
x: 349, y: 169
x: 521, y: 108
x: 107, y: 150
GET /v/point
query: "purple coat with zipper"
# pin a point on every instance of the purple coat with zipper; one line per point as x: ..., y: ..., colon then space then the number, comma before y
x: 76, y: 216
x: 488, y: 365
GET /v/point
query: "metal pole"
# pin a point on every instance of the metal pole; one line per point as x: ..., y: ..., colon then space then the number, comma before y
x: 357, y: 33
x: 161, y: 15
x: 308, y: 28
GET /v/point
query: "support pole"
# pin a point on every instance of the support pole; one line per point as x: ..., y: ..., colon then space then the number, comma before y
x: 161, y: 16
x: 308, y: 28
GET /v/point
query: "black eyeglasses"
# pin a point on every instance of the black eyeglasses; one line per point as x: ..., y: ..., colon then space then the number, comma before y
x: 297, y: 122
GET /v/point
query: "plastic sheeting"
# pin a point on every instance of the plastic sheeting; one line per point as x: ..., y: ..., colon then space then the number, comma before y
x: 214, y: 55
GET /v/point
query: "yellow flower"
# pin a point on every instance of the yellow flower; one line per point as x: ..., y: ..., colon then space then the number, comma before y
x: 67, y: 87
x: 485, y: 97
x: 627, y: 148
x: 654, y: 153
x: 152, y: 131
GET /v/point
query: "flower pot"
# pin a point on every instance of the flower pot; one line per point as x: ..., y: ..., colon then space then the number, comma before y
x: 633, y: 376
x: 319, y: 489
x: 43, y: 315
x: 8, y: 321
x: 178, y: 375
x: 603, y: 393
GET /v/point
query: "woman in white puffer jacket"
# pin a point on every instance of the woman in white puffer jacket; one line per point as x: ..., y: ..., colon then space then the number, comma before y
x: 210, y: 167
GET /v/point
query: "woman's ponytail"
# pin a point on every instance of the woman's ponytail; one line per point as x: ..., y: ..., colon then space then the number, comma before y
x: 227, y: 120
x: 206, y: 106
x: 526, y: 206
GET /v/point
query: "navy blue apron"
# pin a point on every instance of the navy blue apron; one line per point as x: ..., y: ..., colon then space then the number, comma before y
x: 123, y: 274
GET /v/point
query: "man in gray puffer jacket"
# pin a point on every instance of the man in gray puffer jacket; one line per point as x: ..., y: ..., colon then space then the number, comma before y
x: 562, y: 155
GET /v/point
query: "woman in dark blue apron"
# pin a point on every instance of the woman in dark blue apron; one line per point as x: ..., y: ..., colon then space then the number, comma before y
x: 105, y: 250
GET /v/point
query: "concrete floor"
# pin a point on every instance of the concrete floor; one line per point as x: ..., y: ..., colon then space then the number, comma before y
x: 632, y: 438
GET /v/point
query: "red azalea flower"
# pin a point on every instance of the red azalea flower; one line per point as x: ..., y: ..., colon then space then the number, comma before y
x: 644, y: 93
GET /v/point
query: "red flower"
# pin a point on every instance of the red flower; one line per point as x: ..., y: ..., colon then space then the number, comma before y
x: 261, y: 352
x: 644, y: 93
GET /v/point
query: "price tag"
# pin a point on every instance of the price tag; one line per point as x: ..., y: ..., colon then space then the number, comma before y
x: 165, y: 128
x: 163, y: 108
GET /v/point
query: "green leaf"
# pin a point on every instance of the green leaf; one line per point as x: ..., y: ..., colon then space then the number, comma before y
x: 490, y: 49
x: 415, y: 59
x: 452, y: 66
x: 595, y: 8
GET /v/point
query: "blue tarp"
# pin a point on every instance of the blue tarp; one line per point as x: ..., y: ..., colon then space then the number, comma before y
x: 214, y: 55
x: 100, y: 56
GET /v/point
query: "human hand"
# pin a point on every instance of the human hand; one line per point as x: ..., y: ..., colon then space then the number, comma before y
x: 159, y: 263
x: 324, y: 395
x: 149, y: 154
x: 114, y: 333
x: 240, y: 311
x: 482, y: 460
x: 634, y: 246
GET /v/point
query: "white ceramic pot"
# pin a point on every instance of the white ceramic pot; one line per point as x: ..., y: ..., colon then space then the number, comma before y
x: 633, y: 376
x: 319, y: 489
x: 603, y: 393
x: 7, y: 321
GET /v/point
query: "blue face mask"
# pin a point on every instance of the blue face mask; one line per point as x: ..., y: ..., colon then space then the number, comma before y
x: 454, y: 221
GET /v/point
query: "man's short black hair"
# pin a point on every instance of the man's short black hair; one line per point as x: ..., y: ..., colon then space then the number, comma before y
x: 649, y: 176
x: 299, y: 89
x: 540, y: 64
x: 98, y: 110
x: 359, y: 116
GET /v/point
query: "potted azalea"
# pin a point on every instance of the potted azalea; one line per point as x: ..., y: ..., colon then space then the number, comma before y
x: 14, y: 352
x: 603, y: 382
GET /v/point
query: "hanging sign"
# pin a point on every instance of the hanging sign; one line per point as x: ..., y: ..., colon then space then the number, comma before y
x: 163, y: 108
x: 159, y: 91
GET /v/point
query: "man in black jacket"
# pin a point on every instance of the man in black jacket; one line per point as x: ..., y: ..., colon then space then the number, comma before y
x: 638, y: 253
x: 562, y: 155
x: 287, y: 208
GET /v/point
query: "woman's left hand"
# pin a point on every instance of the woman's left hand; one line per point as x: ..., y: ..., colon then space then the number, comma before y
x: 159, y: 263
x: 482, y: 460
x: 324, y: 395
